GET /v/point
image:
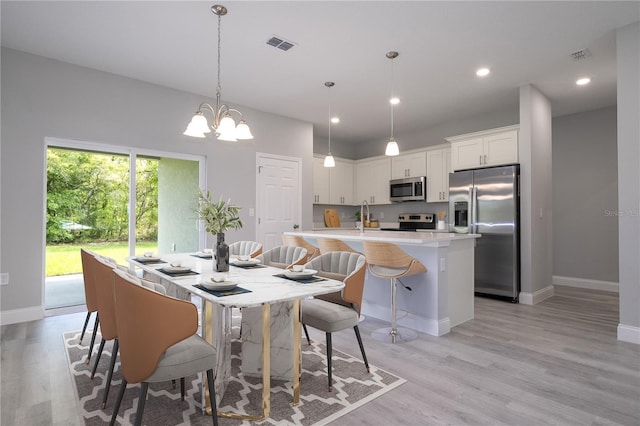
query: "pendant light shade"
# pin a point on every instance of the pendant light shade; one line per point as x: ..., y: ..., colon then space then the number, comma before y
x: 328, y: 160
x: 392, y: 146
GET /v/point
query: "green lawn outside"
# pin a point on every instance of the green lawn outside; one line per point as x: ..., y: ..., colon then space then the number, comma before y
x: 64, y: 259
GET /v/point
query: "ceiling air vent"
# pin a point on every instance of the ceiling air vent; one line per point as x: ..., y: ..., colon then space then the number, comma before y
x: 581, y: 54
x: 280, y: 43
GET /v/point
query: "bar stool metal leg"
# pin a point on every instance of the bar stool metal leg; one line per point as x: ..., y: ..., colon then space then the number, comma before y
x: 394, y: 334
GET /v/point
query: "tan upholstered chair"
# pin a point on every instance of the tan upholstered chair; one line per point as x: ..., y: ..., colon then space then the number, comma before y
x: 91, y: 299
x: 327, y: 245
x: 158, y: 341
x: 340, y: 310
x: 284, y: 256
x: 245, y: 248
x: 297, y: 241
x: 387, y: 260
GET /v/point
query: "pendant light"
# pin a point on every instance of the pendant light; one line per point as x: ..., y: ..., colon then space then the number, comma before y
x: 328, y: 160
x: 223, y: 124
x: 392, y: 146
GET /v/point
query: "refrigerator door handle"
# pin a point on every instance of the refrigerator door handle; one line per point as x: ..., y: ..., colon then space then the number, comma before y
x: 470, y: 211
x: 474, y: 210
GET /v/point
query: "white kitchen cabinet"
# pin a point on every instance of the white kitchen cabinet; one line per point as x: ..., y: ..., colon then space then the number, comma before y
x: 320, y: 181
x: 438, y: 168
x: 341, y: 183
x: 409, y: 165
x: 482, y: 149
x: 332, y: 185
x: 372, y: 181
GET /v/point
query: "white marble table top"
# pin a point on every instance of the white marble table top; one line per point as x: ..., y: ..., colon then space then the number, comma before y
x: 265, y: 288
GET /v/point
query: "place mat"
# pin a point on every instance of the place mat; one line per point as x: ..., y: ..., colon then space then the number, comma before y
x: 203, y: 256
x: 257, y: 265
x: 233, y: 291
x: 304, y: 281
x: 177, y: 274
x: 149, y: 261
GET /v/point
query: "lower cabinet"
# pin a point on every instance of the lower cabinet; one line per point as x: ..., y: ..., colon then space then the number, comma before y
x: 372, y: 181
x: 438, y: 168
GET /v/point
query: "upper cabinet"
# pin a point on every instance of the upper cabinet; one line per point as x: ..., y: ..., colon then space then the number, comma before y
x: 438, y: 168
x: 487, y: 148
x: 332, y: 185
x: 408, y: 165
x: 372, y: 181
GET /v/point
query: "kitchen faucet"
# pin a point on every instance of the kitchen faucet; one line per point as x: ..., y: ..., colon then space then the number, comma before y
x: 364, y: 202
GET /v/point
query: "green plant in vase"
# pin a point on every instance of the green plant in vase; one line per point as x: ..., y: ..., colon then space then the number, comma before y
x: 218, y: 217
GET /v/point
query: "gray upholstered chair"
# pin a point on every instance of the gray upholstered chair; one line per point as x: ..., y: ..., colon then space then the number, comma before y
x: 245, y: 248
x: 147, y: 356
x: 337, y: 311
x: 298, y: 241
x: 284, y: 256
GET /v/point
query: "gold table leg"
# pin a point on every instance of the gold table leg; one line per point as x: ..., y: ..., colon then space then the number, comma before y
x: 297, y: 351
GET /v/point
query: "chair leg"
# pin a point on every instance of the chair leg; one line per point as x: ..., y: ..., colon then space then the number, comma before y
x: 114, y: 355
x: 212, y: 397
x: 144, y: 387
x: 84, y: 328
x: 95, y: 364
x: 306, y: 333
x: 116, y: 408
x: 182, y: 388
x: 364, y: 356
x: 329, y: 356
x: 93, y: 337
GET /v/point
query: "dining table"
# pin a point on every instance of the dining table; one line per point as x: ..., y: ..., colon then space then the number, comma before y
x: 269, y: 302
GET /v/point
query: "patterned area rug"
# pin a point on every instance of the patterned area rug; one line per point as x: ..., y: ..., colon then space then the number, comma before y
x: 352, y: 388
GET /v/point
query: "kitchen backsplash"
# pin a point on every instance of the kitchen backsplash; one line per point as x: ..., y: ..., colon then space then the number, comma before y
x: 387, y: 213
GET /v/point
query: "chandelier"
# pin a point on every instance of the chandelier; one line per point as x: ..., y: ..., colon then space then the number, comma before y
x: 328, y: 160
x: 392, y: 146
x: 223, y: 124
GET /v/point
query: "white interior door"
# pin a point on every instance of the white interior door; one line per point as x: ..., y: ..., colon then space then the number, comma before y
x: 278, y: 194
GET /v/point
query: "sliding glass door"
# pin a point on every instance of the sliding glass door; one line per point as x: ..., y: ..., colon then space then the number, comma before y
x: 115, y: 202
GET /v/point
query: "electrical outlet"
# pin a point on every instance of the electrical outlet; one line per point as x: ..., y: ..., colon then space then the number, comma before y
x: 381, y: 215
x: 443, y: 264
x: 4, y: 278
x: 252, y: 212
x: 173, y: 247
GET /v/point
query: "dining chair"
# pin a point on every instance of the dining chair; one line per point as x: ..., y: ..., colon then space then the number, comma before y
x: 327, y: 245
x: 245, y: 248
x: 387, y: 260
x: 149, y: 356
x: 298, y: 241
x: 340, y: 310
x: 91, y: 299
x: 284, y: 257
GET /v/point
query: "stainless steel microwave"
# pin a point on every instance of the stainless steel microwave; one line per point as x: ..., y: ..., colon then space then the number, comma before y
x: 408, y: 189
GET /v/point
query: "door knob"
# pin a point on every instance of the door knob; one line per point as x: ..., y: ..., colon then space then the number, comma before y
x: 296, y: 226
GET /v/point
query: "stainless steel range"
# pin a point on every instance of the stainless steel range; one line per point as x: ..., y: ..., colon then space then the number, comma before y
x: 414, y: 222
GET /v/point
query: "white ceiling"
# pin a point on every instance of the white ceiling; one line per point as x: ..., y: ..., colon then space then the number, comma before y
x: 173, y: 44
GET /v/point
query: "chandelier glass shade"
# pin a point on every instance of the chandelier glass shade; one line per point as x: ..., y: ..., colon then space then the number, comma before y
x: 329, y: 160
x: 392, y: 146
x: 223, y: 124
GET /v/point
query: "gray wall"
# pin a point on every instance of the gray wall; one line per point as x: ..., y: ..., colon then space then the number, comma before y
x: 585, y: 195
x: 628, y: 54
x: 46, y: 98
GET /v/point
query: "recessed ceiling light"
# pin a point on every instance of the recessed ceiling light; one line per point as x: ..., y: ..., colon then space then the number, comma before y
x: 335, y: 120
x: 583, y: 81
x: 394, y: 101
x: 483, y: 72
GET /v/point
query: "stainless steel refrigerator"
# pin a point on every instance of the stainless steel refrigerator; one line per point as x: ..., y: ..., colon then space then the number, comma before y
x: 487, y: 202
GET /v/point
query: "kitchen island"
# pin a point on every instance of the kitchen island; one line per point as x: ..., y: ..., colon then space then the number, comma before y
x: 439, y: 299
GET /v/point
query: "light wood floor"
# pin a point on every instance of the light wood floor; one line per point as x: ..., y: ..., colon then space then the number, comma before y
x: 554, y: 363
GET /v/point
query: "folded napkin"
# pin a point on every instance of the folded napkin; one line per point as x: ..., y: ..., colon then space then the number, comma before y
x: 235, y: 290
x: 203, y: 255
x: 257, y: 265
x: 177, y: 274
x: 149, y: 261
x: 303, y: 281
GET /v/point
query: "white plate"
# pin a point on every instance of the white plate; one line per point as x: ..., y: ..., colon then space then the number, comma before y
x: 222, y: 286
x: 302, y: 275
x: 246, y: 262
x: 147, y: 258
x: 177, y: 269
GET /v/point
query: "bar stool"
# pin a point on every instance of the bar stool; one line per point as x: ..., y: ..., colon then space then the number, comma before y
x: 328, y: 245
x: 387, y: 260
x: 297, y: 241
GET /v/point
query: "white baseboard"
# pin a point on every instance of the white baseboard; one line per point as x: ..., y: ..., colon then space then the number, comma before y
x: 537, y: 297
x: 586, y: 283
x: 628, y: 333
x: 21, y: 315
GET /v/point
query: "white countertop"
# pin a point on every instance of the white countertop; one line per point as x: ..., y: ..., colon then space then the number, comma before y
x: 397, y: 237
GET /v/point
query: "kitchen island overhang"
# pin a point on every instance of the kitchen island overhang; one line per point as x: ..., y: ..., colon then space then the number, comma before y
x: 439, y: 299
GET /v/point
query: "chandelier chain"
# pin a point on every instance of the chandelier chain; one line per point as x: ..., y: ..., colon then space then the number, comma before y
x: 218, y: 89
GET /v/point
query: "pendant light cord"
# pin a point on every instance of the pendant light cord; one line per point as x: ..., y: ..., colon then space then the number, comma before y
x: 219, y: 89
x: 391, y: 100
x: 329, y: 120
